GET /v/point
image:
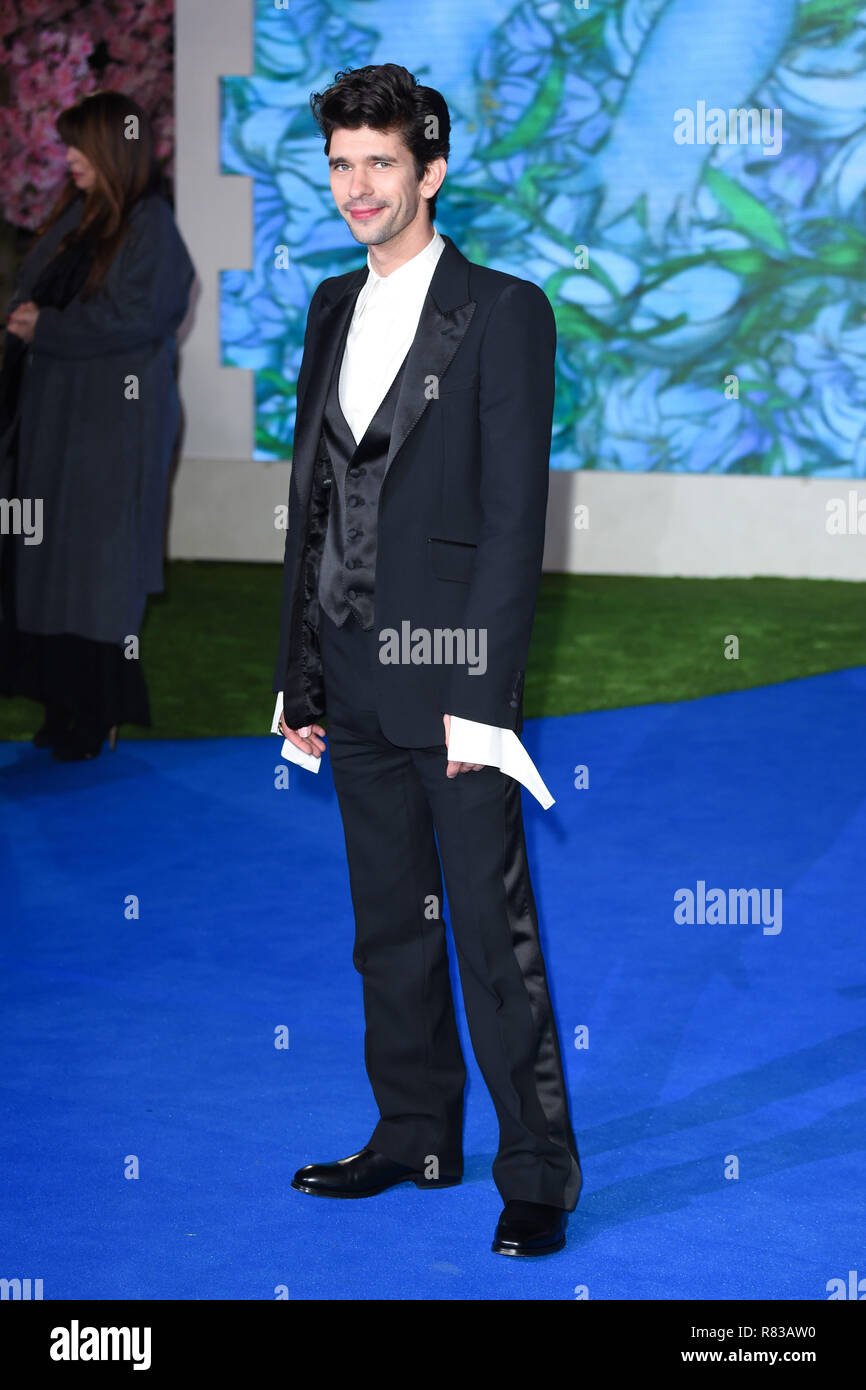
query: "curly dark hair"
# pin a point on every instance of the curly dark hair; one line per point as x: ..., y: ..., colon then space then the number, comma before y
x: 387, y: 97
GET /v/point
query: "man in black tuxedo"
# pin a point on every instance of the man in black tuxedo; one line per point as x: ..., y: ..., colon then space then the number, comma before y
x: 416, y: 531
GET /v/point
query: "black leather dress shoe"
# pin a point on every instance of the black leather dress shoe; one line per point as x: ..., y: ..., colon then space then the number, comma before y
x: 363, y: 1174
x: 529, y: 1228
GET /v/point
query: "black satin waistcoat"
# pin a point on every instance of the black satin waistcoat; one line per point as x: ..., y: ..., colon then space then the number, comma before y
x: 347, y: 578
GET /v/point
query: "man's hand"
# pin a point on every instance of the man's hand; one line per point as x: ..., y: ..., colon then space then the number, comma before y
x: 305, y: 738
x: 453, y: 768
x: 22, y: 321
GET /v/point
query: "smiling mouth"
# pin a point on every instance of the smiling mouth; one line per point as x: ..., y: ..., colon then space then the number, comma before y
x: 364, y: 212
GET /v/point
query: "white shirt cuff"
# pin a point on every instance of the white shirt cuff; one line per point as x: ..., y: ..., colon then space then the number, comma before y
x: 471, y: 742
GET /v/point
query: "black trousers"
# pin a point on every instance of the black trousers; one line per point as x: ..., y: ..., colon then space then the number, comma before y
x: 396, y: 803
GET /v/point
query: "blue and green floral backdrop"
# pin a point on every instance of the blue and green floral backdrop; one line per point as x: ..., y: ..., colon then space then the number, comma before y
x: 709, y: 295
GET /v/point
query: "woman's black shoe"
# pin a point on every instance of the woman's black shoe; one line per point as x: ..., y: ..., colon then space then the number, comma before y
x: 77, y: 745
x: 55, y: 729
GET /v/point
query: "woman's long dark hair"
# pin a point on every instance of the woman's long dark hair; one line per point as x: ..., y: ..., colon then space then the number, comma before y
x: 115, y: 135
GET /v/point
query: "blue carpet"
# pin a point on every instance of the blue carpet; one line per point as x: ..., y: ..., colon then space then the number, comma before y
x: 151, y: 1038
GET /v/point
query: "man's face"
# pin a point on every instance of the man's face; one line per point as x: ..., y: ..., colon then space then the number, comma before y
x: 374, y: 185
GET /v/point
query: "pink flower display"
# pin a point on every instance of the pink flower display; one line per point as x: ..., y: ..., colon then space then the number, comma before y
x: 56, y: 52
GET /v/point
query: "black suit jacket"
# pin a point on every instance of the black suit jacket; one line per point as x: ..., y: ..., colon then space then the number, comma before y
x: 462, y: 505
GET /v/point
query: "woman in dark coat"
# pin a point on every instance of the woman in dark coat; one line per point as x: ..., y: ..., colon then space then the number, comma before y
x: 89, y: 412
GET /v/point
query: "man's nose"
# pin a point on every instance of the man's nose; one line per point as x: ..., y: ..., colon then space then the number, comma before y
x: 360, y: 186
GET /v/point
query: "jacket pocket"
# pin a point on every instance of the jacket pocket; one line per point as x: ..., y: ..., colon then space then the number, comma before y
x: 452, y: 559
x: 449, y: 386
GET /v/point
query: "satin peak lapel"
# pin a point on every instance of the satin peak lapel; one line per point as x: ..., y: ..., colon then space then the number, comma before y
x: 333, y: 319
x: 440, y: 333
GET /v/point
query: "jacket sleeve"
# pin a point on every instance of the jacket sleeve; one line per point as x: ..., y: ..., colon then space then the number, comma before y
x: 143, y: 299
x: 516, y: 394
x: 291, y: 548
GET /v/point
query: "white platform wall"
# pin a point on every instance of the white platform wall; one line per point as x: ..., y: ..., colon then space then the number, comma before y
x: 223, y: 502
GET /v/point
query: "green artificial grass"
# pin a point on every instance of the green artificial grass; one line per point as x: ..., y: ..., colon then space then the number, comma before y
x: 600, y: 642
x: 604, y: 641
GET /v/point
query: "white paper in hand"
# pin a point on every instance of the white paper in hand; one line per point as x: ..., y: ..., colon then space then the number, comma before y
x: 288, y: 750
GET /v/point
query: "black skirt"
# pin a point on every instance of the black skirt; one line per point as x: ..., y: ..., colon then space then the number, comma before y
x: 91, y: 680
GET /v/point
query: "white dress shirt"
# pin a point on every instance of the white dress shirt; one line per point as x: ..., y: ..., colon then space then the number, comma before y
x: 383, y: 327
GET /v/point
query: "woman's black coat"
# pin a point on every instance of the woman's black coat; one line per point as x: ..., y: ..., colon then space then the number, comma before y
x: 98, y: 412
